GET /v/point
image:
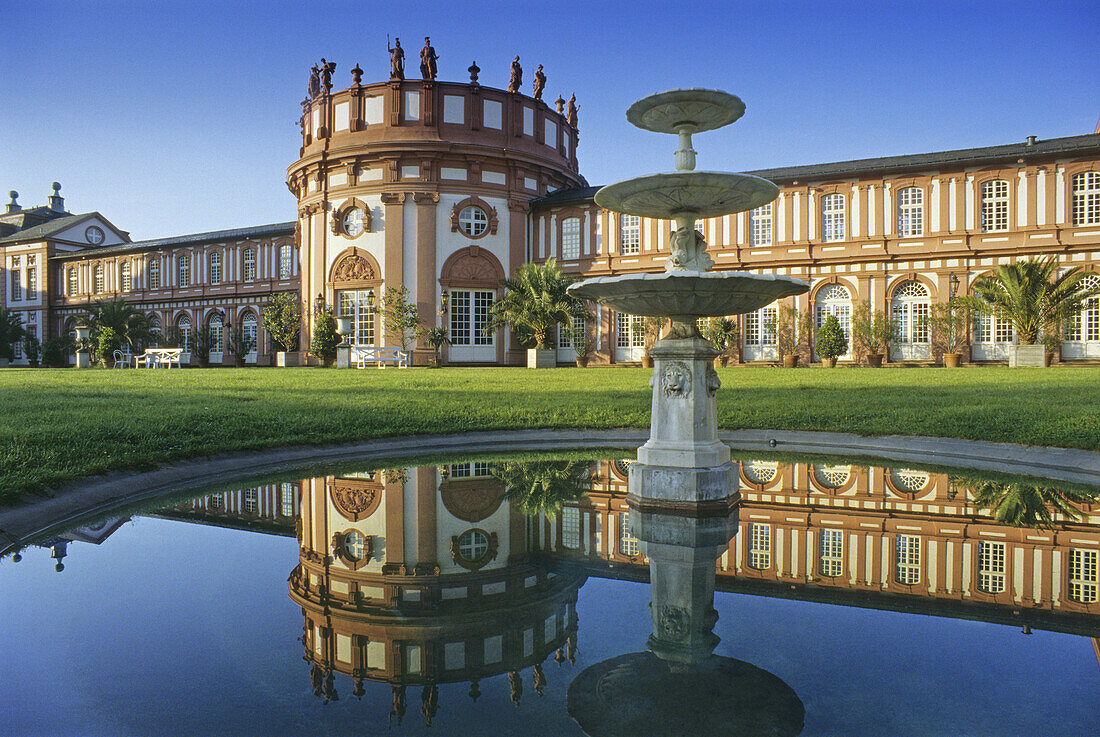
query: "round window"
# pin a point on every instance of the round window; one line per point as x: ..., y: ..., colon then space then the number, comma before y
x: 93, y: 235
x: 473, y: 221
x: 353, y: 222
x: 473, y: 545
x: 354, y: 546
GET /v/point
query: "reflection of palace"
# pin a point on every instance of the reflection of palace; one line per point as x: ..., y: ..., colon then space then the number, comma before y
x: 421, y: 576
x: 447, y: 187
x: 880, y: 537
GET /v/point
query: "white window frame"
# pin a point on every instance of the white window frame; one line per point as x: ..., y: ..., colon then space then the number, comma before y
x: 630, y: 235
x: 215, y: 267
x: 1083, y: 582
x: 249, y: 264
x: 910, y: 212
x: 832, y: 217
x: 760, y: 226
x: 1086, y: 198
x: 183, y: 263
x: 99, y: 275
x: 286, y: 261
x: 469, y: 315
x: 152, y: 274
x: 994, y: 209
x: 72, y: 278
x: 760, y: 546
x: 570, y: 238
x: 356, y: 304
x: 126, y: 276
x: 991, y: 567
x: 473, y: 221
x: 907, y: 557
x: 832, y: 552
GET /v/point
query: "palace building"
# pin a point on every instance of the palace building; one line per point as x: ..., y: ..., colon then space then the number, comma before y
x: 445, y: 188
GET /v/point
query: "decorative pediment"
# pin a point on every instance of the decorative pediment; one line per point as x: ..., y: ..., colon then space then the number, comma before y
x: 472, y: 267
x: 355, y: 268
x: 355, y: 499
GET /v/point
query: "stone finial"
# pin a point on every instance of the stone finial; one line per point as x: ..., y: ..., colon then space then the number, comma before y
x: 516, y: 80
x: 356, y: 75
x: 474, y: 70
x: 540, y: 82
x: 560, y: 105
x: 397, y: 58
x: 13, y: 206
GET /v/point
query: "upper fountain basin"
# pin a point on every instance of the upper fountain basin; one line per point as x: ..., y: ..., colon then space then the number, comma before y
x: 700, y: 194
x: 688, y: 293
x: 695, y: 109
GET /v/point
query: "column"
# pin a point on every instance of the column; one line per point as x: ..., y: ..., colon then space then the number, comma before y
x: 427, y: 284
x: 393, y: 268
x: 426, y: 544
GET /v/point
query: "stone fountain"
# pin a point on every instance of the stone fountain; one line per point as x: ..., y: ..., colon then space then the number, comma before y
x: 683, y: 489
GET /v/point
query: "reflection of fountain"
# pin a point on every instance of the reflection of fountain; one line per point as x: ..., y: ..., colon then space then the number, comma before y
x: 682, y: 490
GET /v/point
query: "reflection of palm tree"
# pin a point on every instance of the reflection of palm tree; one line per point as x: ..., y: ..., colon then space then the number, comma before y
x: 543, y: 486
x: 1026, y: 505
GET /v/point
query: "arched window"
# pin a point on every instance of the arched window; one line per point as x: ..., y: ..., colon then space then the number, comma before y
x: 215, y: 267
x: 570, y: 238
x: 127, y: 277
x: 97, y: 279
x: 907, y: 559
x: 184, y: 262
x: 994, y: 206
x: 909, y: 307
x: 153, y: 274
x: 154, y: 330
x: 249, y: 264
x: 832, y: 217
x: 1086, y: 198
x: 910, y: 212
x: 215, y: 333
x: 1083, y: 329
x: 183, y: 331
x: 907, y: 479
x: 836, y: 300
x: 250, y: 334
x: 630, y: 234
x: 832, y: 477
x: 286, y: 261
x: 832, y: 552
x: 760, y: 472
x: 74, y: 283
x: 760, y: 225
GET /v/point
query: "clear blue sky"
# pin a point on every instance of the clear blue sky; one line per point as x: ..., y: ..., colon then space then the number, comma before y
x: 179, y: 117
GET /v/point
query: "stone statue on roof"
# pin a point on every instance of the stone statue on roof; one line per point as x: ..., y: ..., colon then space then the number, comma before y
x: 327, y: 68
x: 314, y: 81
x: 428, y: 59
x: 571, y: 111
x: 516, y: 79
x: 540, y: 82
x: 397, y: 59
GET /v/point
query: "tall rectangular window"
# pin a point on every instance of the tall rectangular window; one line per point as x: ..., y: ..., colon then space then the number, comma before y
x: 73, y: 280
x: 483, y: 301
x: 460, y: 317
x: 152, y: 274
x: 358, y: 304
x: 127, y: 277
x: 760, y: 326
x: 286, y: 499
x: 832, y: 217
x: 570, y: 238
x: 1083, y: 582
x: 629, y: 331
x: 1086, y: 198
x: 251, y: 501
x: 994, y: 206
x: 249, y: 264
x: 216, y: 267
x: 286, y: 265
x: 184, y: 262
x: 760, y: 546
x: 16, y: 282
x: 32, y: 282
x: 907, y: 559
x: 630, y: 234
x: 760, y: 225
x: 910, y: 212
x: 470, y: 315
x: 98, y: 278
x: 991, y: 567
x: 571, y: 528
x: 832, y: 552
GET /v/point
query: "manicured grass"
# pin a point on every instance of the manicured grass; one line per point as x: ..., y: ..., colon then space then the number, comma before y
x: 58, y: 425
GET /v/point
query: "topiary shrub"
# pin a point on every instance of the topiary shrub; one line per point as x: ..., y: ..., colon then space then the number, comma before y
x: 325, y: 338
x: 830, y: 339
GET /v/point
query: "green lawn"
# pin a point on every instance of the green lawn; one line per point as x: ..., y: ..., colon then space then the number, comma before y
x: 63, y: 424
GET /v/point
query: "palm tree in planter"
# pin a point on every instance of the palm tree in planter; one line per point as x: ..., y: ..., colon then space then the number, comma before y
x: 1027, y: 505
x: 1032, y: 297
x: 535, y: 299
x: 831, y: 341
x: 948, y: 322
x: 116, y: 323
x: 723, y: 334
x: 436, y: 338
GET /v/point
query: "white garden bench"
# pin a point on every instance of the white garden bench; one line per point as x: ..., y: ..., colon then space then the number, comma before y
x: 361, y: 355
x: 159, y: 358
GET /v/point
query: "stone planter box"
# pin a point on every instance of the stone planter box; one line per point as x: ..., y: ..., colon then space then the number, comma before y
x: 1027, y: 355
x: 790, y: 360
x: 951, y: 360
x: 542, y: 358
x: 874, y: 360
x: 288, y: 358
x: 828, y: 362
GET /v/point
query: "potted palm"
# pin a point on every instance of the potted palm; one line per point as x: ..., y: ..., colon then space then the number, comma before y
x: 535, y: 299
x: 1032, y: 297
x: 723, y: 334
x: 831, y: 341
x: 436, y: 338
x: 872, y: 333
x: 948, y: 322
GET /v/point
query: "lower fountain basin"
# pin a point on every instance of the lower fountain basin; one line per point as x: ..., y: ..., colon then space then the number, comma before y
x: 690, y: 293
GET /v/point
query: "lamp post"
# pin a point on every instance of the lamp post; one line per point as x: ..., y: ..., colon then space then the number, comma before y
x: 444, y: 300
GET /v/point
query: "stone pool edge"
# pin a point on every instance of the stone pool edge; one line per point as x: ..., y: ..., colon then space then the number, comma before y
x: 95, y: 495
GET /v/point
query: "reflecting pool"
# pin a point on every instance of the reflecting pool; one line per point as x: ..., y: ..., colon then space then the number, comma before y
x: 496, y: 596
